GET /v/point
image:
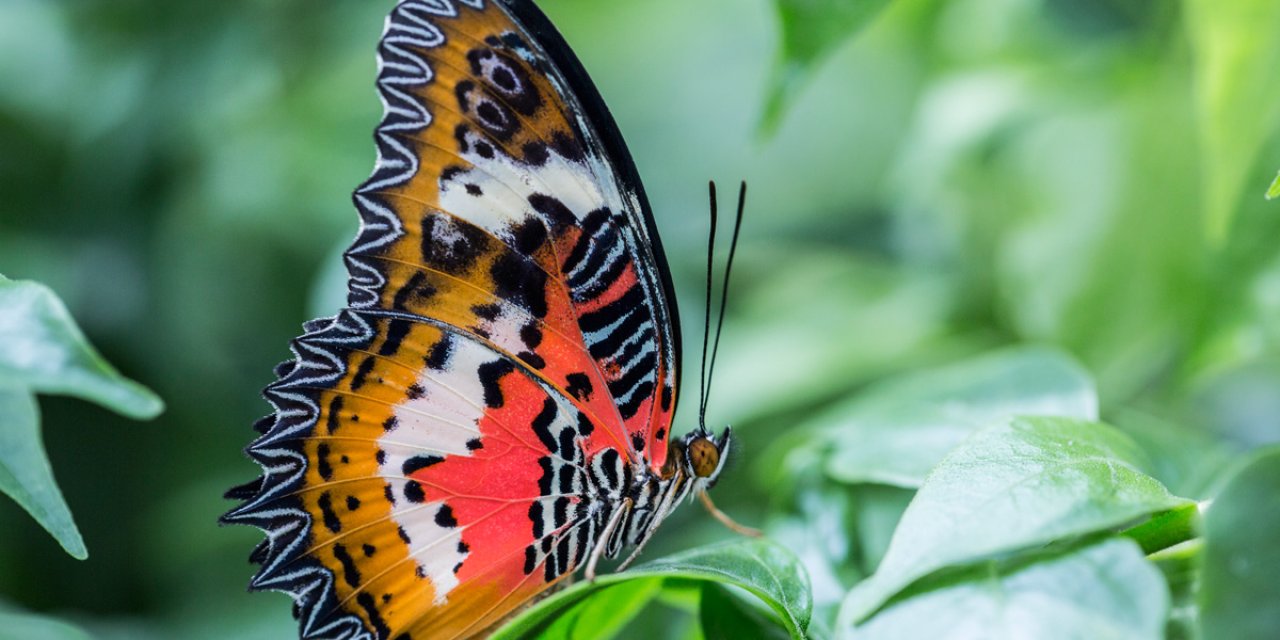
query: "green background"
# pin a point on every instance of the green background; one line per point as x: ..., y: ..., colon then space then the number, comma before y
x: 961, y: 176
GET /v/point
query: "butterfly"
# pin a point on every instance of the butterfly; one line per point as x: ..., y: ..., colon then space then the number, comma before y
x: 493, y: 408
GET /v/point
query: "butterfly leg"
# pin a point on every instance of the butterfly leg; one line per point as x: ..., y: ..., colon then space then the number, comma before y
x: 602, y: 543
x: 725, y: 519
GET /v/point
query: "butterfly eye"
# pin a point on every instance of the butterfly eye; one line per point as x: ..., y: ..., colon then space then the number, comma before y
x: 704, y: 457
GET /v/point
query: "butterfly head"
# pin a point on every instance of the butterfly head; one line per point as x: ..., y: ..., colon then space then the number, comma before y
x: 703, y: 455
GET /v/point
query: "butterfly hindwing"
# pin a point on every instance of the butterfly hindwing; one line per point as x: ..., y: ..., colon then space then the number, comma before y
x: 448, y: 446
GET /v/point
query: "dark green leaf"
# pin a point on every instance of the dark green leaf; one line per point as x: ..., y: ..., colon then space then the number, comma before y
x: 42, y: 349
x: 895, y: 432
x: 25, y: 474
x: 1236, y: 57
x: 725, y: 617
x: 810, y: 30
x: 762, y: 568
x: 1105, y: 591
x: 1009, y: 487
x: 1241, y: 582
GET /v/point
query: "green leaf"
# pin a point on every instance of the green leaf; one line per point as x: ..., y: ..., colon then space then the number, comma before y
x: 1241, y: 582
x: 1102, y: 592
x: 605, y: 613
x: 725, y: 617
x: 25, y: 474
x: 762, y: 568
x: 1013, y: 486
x: 1236, y: 56
x: 895, y: 432
x: 1274, y: 191
x: 810, y: 31
x: 42, y: 349
x: 14, y: 624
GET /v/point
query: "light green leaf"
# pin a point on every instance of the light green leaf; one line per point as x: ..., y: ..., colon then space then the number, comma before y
x: 895, y: 432
x: 1240, y: 585
x: 1274, y: 191
x: 16, y: 625
x: 42, y: 349
x: 762, y: 568
x: 25, y: 474
x: 1009, y: 487
x: 1236, y: 56
x: 1107, y: 591
x: 810, y: 30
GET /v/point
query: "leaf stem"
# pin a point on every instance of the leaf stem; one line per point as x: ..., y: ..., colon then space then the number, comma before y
x: 1168, y: 529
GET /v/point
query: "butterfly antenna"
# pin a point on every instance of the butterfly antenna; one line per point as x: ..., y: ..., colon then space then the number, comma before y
x: 724, y: 296
x: 706, y: 321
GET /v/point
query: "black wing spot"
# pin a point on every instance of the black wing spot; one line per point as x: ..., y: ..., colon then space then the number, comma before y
x: 532, y: 359
x: 542, y: 425
x: 487, y: 311
x: 438, y: 357
x: 531, y: 335
x: 322, y: 462
x: 637, y: 441
x: 490, y: 375
x: 418, y: 463
x: 529, y: 235
x: 415, y: 391
x: 518, y: 279
x: 474, y: 444
x: 579, y: 385
x: 413, y: 492
x: 335, y: 410
x: 362, y: 372
x: 444, y: 517
x: 350, y: 572
x: 371, y: 611
x: 397, y: 329
x: 331, y: 521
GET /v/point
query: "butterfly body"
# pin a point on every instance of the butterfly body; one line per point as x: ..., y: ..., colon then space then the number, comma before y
x: 492, y: 410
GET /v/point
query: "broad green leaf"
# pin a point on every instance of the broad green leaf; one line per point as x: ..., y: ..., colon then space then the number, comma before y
x: 1274, y: 191
x: 1108, y: 591
x: 725, y: 617
x: 1236, y: 54
x: 810, y: 30
x: 605, y: 613
x: 16, y: 625
x: 1013, y: 486
x: 25, y: 474
x: 1240, y: 586
x: 762, y: 568
x: 895, y: 432
x: 42, y: 349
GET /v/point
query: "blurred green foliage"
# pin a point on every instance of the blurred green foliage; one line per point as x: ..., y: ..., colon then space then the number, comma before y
x: 961, y: 176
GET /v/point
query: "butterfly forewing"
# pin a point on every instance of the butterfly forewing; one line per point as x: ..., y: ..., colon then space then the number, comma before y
x: 426, y: 470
